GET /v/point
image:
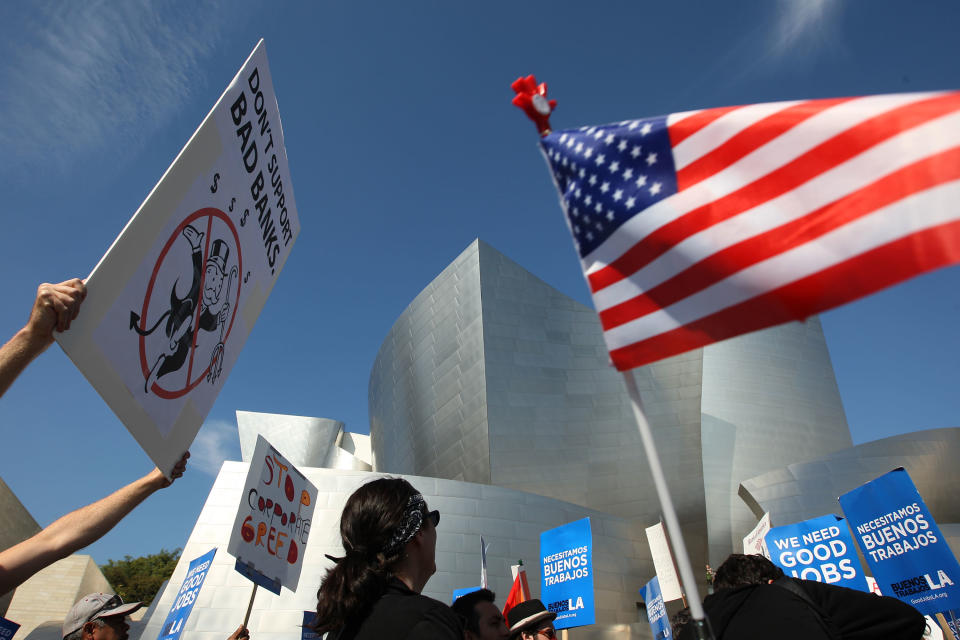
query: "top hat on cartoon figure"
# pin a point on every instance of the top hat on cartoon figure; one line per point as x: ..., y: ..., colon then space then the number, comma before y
x: 219, y: 254
x: 215, y: 271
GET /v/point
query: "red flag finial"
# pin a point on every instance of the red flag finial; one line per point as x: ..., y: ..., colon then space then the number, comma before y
x: 532, y: 98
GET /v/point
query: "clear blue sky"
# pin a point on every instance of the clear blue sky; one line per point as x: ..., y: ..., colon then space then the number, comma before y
x: 403, y: 148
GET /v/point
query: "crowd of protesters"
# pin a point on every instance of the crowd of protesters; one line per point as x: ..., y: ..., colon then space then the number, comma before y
x: 389, y: 537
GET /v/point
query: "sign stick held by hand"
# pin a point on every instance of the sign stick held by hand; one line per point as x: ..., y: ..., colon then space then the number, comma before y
x: 253, y: 594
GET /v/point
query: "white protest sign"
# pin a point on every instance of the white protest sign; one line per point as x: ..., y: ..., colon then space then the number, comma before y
x: 753, y: 543
x: 270, y: 532
x: 170, y: 305
x: 663, y: 563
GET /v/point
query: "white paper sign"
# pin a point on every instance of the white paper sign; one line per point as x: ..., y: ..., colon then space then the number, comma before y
x: 270, y: 532
x: 170, y: 305
x: 754, y: 542
x: 663, y: 563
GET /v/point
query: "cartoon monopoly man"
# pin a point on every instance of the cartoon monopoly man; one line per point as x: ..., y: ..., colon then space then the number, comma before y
x: 181, y: 318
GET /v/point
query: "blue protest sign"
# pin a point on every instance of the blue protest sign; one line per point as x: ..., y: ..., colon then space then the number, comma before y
x: 656, y: 611
x: 902, y: 544
x: 462, y: 592
x: 306, y: 633
x: 566, y: 556
x: 250, y: 573
x: 7, y: 628
x: 186, y: 597
x: 819, y: 549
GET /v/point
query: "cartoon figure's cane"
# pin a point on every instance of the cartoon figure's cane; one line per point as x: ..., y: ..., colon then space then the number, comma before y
x: 216, y: 359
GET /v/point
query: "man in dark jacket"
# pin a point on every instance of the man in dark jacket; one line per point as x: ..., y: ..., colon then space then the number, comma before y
x: 753, y: 599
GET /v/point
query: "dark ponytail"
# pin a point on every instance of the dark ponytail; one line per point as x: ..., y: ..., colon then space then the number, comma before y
x: 369, y: 521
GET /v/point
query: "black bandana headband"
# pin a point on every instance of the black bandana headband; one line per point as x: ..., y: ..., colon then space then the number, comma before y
x: 412, y: 521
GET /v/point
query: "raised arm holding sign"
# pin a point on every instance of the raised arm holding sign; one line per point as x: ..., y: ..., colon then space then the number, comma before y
x: 55, y: 307
x: 79, y: 528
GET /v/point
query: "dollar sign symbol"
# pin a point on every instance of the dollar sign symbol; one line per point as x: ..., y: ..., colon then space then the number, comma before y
x: 232, y: 201
x: 213, y: 187
x: 246, y: 277
x: 243, y: 218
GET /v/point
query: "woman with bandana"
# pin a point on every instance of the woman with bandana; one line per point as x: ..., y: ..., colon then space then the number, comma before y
x: 373, y: 591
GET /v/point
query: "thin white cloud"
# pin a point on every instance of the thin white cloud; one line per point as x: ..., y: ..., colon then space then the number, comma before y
x: 80, y: 76
x: 216, y: 442
x: 804, y: 27
x: 796, y: 31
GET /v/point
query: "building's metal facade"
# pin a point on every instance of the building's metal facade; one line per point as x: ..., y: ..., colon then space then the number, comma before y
x: 490, y: 375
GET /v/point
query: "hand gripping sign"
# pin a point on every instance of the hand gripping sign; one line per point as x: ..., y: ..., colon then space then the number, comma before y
x: 270, y: 533
x: 171, y: 304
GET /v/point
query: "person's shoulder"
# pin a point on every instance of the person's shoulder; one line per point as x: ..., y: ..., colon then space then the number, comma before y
x: 437, y: 622
x: 415, y: 616
x: 851, y: 608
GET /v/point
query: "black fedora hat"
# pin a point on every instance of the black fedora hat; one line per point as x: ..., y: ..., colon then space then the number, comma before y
x: 527, y: 614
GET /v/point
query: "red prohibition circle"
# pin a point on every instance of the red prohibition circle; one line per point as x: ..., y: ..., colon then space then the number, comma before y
x: 209, y: 213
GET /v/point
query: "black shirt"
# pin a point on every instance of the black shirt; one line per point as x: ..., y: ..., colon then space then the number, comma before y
x: 405, y: 614
x: 772, y: 611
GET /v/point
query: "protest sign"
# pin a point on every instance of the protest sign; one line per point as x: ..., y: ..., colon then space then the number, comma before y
x: 902, y: 544
x: 462, y: 592
x: 186, y: 596
x: 566, y: 557
x: 754, y: 543
x: 819, y: 549
x: 171, y: 304
x: 656, y: 611
x: 270, y: 532
x: 663, y: 563
x: 7, y: 628
x: 306, y: 633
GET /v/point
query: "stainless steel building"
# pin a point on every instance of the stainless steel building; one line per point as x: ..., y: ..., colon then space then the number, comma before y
x: 492, y: 376
x: 807, y: 490
x: 492, y: 392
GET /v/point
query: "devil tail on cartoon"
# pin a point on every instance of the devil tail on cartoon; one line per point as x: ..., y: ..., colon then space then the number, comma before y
x: 135, y: 323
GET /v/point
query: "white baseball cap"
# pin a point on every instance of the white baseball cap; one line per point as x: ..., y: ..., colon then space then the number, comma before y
x: 96, y: 605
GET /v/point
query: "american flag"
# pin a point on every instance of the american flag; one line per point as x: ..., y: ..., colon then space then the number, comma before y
x: 700, y: 226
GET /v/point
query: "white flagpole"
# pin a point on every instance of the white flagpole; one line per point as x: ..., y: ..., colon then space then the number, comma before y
x: 698, y: 618
x: 483, y: 564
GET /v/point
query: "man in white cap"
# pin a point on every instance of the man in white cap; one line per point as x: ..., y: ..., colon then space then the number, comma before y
x: 99, y: 616
x: 530, y: 620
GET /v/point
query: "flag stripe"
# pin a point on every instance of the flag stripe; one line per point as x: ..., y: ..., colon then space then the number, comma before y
x: 930, y: 208
x: 881, y: 267
x: 805, y: 136
x: 688, y: 126
x: 887, y: 157
x: 924, y: 174
x: 828, y: 154
x: 721, y: 130
x: 750, y: 139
